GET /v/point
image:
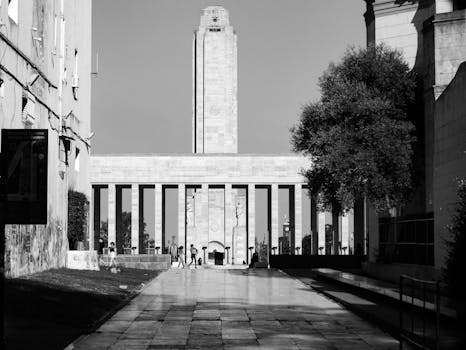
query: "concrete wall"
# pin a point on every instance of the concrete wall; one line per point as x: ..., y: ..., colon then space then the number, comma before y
x: 197, y: 169
x: 39, y: 36
x: 432, y: 37
x: 449, y: 158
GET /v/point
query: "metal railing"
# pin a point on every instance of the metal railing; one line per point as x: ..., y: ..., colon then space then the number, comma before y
x: 415, y: 295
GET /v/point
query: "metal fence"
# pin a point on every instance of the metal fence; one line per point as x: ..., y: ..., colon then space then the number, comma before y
x: 409, y: 241
x: 419, y: 312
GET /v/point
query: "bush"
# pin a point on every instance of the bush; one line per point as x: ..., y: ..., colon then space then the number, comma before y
x: 77, y: 217
x: 456, y: 261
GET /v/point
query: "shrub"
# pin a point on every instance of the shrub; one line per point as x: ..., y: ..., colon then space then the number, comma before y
x: 77, y: 217
x: 456, y: 260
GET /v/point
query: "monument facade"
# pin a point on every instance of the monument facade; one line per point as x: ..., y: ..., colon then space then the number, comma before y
x: 215, y: 106
x: 216, y: 186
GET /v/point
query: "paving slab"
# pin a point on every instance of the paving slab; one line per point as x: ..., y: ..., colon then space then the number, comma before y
x: 233, y: 309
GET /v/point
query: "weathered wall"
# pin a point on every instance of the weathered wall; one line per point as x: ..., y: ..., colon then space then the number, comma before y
x: 32, y: 248
x: 449, y: 158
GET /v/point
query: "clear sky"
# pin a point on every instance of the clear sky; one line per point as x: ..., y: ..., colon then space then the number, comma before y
x: 142, y: 97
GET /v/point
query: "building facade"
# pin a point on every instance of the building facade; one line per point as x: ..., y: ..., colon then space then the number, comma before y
x: 216, y: 186
x: 432, y: 37
x: 45, y: 74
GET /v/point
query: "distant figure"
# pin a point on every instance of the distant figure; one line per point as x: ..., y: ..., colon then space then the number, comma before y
x: 199, y: 261
x: 113, y: 264
x: 254, y: 260
x: 173, y: 250
x: 181, y: 257
x: 100, y: 251
x: 193, y: 255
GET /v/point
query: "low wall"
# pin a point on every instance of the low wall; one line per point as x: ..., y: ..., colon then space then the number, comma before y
x: 314, y: 261
x: 142, y: 261
x: 392, y: 272
x: 82, y: 260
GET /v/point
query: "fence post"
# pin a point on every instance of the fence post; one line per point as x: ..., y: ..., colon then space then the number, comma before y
x: 401, y: 312
x: 437, y: 326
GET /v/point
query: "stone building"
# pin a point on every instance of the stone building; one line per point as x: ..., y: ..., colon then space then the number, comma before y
x: 216, y: 186
x: 432, y: 37
x: 45, y: 74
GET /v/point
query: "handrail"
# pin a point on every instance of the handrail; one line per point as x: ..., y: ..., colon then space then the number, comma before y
x: 410, y: 337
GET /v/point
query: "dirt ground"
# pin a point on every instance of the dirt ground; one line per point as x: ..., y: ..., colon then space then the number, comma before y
x: 48, y: 310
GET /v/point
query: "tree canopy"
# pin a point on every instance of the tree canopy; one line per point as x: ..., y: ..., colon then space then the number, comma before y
x: 358, y: 135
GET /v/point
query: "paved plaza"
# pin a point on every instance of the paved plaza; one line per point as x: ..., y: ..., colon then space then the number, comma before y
x: 233, y: 309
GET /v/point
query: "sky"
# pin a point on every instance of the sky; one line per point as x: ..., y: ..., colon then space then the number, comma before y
x: 142, y: 96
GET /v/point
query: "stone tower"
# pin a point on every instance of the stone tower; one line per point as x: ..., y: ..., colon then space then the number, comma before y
x: 215, y: 120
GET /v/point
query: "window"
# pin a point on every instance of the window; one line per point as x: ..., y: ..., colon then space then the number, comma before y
x: 13, y: 12
x: 55, y: 34
x: 76, y: 159
x: 75, y: 84
x: 28, y: 109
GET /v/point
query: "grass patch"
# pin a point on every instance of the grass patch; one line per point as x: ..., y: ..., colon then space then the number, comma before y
x: 51, y: 308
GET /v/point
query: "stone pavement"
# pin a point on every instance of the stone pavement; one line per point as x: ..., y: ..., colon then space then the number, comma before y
x: 233, y: 309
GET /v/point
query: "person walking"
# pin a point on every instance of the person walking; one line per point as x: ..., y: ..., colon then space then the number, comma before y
x: 113, y: 264
x: 193, y: 255
x: 254, y: 260
x: 100, y: 251
x: 181, y: 257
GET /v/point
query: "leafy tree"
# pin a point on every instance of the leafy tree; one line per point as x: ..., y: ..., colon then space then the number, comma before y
x: 124, y: 228
x: 358, y: 135
x: 456, y: 261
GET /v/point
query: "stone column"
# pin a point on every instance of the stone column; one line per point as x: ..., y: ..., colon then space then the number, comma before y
x: 345, y: 233
x: 298, y: 218
x: 158, y: 216
x: 275, y: 228
x: 229, y: 217
x: 321, y: 232
x: 204, y: 219
x: 135, y: 218
x: 182, y: 215
x: 111, y: 214
x: 251, y: 218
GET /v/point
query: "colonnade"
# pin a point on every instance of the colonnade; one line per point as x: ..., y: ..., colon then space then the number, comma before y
x: 341, y: 237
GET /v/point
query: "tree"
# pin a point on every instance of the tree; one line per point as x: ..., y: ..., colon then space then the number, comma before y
x: 358, y: 135
x: 124, y: 228
x: 456, y: 260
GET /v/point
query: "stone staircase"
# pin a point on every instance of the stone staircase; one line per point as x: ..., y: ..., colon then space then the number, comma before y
x: 142, y: 261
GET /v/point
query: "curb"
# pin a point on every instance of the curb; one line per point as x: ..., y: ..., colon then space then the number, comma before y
x: 96, y: 325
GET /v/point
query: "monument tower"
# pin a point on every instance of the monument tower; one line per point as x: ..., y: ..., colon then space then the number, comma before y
x: 215, y: 120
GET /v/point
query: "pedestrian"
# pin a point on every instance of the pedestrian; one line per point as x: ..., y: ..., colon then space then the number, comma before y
x: 113, y: 264
x: 100, y: 251
x: 254, y: 260
x: 181, y: 257
x: 193, y: 255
